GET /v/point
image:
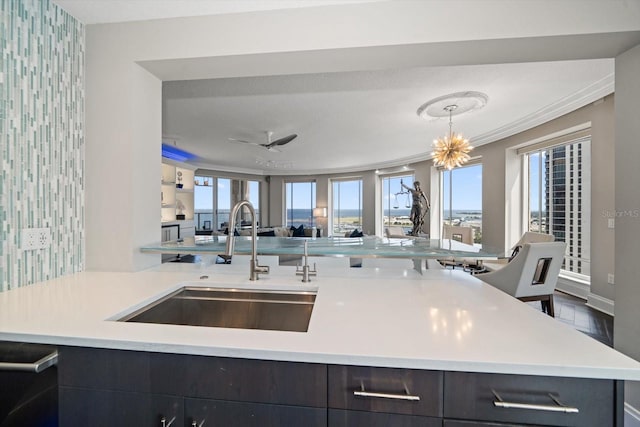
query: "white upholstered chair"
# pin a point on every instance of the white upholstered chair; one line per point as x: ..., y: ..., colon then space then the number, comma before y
x: 395, y: 231
x: 459, y: 234
x: 532, y: 274
x: 527, y: 237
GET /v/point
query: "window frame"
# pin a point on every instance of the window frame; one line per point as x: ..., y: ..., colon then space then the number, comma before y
x: 285, y: 201
x: 332, y: 201
x: 381, y: 208
x: 443, y: 218
x: 574, y: 225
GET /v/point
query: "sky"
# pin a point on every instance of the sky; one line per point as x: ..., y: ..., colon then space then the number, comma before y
x: 467, y: 192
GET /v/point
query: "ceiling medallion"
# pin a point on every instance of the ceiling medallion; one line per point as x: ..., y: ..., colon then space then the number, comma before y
x: 274, y: 164
x: 452, y: 150
x: 464, y: 101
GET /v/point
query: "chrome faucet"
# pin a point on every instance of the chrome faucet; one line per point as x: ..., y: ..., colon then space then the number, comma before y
x: 254, y: 268
x: 306, y: 271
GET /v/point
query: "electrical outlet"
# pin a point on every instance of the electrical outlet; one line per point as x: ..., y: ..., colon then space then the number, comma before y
x: 610, y: 279
x: 612, y: 223
x: 35, y: 238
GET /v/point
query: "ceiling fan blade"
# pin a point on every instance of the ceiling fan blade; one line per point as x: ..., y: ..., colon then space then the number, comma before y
x: 243, y: 141
x: 282, y: 141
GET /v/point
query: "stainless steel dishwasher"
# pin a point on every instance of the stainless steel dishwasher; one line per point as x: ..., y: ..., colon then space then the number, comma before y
x: 28, y: 385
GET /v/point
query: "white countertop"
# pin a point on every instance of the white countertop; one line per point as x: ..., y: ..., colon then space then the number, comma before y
x: 444, y: 320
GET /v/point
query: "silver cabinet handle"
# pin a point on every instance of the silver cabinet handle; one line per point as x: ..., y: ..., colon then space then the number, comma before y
x: 37, y: 367
x: 558, y: 407
x: 164, y: 423
x: 407, y: 396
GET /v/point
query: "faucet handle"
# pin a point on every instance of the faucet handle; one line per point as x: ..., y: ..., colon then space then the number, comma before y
x: 262, y: 269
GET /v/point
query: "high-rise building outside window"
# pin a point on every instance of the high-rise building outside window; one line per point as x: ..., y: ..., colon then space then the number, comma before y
x: 560, y: 199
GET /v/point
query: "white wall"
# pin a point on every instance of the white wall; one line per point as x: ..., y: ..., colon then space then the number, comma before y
x: 626, y: 336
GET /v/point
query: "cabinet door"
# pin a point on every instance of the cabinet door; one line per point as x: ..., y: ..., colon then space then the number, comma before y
x: 343, y: 418
x: 103, y: 369
x: 98, y: 408
x: 527, y: 399
x: 203, y: 412
x: 399, y: 391
x: 219, y: 378
x: 457, y: 423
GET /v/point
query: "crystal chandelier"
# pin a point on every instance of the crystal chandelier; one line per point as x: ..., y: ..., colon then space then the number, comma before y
x: 451, y: 150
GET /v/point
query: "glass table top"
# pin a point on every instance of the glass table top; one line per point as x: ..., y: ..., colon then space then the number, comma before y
x: 368, y: 246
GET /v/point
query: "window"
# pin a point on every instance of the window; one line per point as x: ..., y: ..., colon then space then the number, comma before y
x: 213, y: 199
x: 463, y: 205
x: 396, y: 201
x: 346, y: 214
x: 203, y: 199
x: 253, y: 195
x: 300, y: 199
x: 223, y: 205
x: 560, y: 205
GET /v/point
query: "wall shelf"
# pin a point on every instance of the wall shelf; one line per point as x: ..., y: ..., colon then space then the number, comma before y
x: 173, y: 198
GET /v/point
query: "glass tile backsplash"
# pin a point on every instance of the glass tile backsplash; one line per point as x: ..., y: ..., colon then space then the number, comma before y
x: 42, y: 130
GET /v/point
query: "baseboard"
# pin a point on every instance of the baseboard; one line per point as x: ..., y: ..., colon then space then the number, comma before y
x: 631, y: 416
x: 573, y: 287
x: 602, y: 304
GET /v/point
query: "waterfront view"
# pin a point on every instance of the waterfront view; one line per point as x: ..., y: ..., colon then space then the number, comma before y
x: 350, y: 220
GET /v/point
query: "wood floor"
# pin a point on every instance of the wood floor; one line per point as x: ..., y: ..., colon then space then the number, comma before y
x: 574, y: 312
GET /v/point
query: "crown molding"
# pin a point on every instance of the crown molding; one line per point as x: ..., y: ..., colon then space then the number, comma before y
x: 591, y: 93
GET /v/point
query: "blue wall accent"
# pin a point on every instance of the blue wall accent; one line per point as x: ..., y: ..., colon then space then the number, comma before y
x: 42, y: 134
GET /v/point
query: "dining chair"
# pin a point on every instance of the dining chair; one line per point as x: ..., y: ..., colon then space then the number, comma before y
x: 532, y: 274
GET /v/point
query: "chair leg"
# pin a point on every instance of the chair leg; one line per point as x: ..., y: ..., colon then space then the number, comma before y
x: 545, y: 300
x: 547, y: 305
x: 550, y: 310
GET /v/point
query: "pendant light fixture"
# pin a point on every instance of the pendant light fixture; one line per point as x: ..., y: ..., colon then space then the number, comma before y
x: 452, y: 150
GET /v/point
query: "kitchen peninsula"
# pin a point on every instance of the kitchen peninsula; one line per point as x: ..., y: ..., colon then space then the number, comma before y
x: 382, y: 346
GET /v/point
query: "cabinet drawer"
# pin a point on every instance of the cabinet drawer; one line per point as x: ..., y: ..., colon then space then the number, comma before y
x: 102, y: 408
x: 398, y: 391
x: 262, y: 381
x: 103, y: 369
x: 344, y: 418
x: 206, y: 412
x: 457, y: 423
x: 530, y: 399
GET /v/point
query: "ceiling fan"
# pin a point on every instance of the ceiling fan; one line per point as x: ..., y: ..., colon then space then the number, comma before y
x: 270, y: 144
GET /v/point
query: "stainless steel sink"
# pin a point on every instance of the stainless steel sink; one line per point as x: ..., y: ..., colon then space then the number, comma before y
x: 230, y: 308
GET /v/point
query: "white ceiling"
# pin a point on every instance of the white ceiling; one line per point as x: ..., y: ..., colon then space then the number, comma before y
x: 355, y: 120
x: 109, y: 11
x: 345, y: 121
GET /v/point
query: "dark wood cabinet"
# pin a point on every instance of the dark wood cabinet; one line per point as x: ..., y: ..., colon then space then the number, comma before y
x: 397, y: 391
x: 458, y: 423
x: 100, y: 387
x: 106, y: 408
x: 344, y: 418
x: 531, y: 400
x: 206, y: 412
x: 261, y: 381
